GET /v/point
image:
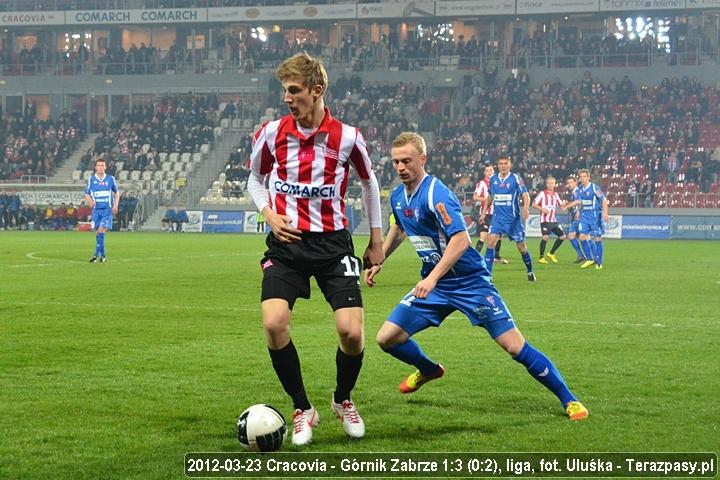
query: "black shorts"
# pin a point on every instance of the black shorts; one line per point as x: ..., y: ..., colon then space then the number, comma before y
x: 328, y: 256
x: 484, y: 226
x: 546, y: 228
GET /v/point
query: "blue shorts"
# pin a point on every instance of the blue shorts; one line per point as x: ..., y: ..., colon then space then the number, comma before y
x: 595, y: 228
x: 574, y: 227
x: 472, y: 296
x: 514, y: 231
x: 102, y: 218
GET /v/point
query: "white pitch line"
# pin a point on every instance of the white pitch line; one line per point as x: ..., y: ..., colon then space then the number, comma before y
x: 257, y: 310
x: 32, y: 256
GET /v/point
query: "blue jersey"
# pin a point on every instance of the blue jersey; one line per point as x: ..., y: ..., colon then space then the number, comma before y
x: 506, y: 194
x: 591, y: 198
x: 101, y: 190
x: 430, y: 216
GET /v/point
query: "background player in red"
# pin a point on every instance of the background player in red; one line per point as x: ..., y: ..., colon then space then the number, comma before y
x: 548, y: 201
x: 305, y: 158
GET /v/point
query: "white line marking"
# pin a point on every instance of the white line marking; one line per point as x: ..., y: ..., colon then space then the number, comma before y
x: 58, y: 261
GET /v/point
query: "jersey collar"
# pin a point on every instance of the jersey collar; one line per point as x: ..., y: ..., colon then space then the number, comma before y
x: 324, y: 125
x: 503, y: 179
x: 101, y: 179
x: 415, y: 190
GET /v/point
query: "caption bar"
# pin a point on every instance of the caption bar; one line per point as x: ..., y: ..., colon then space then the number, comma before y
x: 449, y: 464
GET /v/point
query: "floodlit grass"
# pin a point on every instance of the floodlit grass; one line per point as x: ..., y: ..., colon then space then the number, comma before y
x: 117, y: 370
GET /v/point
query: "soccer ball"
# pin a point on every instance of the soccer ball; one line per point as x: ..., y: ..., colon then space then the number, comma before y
x: 261, y: 428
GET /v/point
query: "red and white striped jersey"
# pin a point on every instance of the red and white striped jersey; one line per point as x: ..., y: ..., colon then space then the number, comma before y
x: 482, y: 190
x: 309, y: 175
x: 549, y: 200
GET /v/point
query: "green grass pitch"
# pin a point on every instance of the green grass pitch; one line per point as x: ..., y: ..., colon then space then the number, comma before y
x: 117, y: 370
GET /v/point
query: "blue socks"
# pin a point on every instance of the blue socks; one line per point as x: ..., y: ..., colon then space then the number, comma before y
x: 576, y: 245
x: 544, y: 371
x: 587, y: 249
x: 100, y: 245
x: 489, y: 258
x: 411, y: 353
x: 528, y: 261
x: 599, y: 252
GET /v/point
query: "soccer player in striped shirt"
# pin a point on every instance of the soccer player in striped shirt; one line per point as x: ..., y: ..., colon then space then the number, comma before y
x: 305, y: 158
x: 547, y: 202
x: 454, y: 277
x: 102, y: 195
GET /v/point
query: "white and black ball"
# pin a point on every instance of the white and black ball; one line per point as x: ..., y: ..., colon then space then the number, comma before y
x: 261, y: 428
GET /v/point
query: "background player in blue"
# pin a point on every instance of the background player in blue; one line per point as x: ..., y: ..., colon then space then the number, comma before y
x: 506, y: 191
x: 102, y: 195
x: 454, y: 277
x: 574, y: 214
x: 593, y: 215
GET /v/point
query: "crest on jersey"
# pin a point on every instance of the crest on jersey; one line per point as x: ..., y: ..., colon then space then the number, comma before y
x: 440, y: 207
x: 330, y: 153
x: 408, y: 212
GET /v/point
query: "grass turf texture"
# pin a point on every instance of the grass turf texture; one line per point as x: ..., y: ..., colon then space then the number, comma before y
x: 116, y: 370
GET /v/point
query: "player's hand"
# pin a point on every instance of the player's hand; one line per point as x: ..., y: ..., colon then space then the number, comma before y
x: 281, y: 228
x: 525, y: 213
x: 373, y: 255
x: 92, y: 204
x: 545, y: 210
x: 370, y: 274
x: 606, y: 217
x: 114, y: 210
x: 424, y: 287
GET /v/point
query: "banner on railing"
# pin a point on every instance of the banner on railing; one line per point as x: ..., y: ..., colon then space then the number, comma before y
x: 640, y: 5
x: 287, y: 12
x: 195, y: 221
x: 32, y: 18
x: 163, y: 15
x: 613, y: 227
x: 396, y: 10
x: 475, y: 7
x: 555, y: 6
x: 56, y: 197
x: 702, y: 4
x: 223, y: 221
x: 696, y: 227
x: 636, y: 226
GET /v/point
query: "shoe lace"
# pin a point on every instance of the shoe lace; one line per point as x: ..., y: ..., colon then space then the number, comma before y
x: 298, y: 421
x: 350, y: 412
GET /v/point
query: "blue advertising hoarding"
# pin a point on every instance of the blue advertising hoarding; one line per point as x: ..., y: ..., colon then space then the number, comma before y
x: 696, y: 227
x: 651, y: 226
x: 223, y: 221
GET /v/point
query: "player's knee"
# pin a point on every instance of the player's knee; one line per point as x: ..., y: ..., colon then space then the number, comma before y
x: 384, y: 341
x: 351, y: 337
x: 546, y: 237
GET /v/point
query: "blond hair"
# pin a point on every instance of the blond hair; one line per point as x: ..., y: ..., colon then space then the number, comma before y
x: 550, y: 177
x: 412, y: 138
x: 584, y: 170
x: 302, y: 65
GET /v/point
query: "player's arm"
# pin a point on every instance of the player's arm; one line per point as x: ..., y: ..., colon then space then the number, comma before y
x: 569, y: 205
x: 261, y: 161
x: 525, y: 205
x: 486, y: 206
x: 360, y: 159
x: 605, y: 205
x: 88, y: 197
x: 394, y: 238
x: 455, y: 249
x: 116, y: 198
x: 536, y: 204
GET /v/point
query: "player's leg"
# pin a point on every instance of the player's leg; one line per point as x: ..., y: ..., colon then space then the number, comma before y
x: 483, y: 238
x: 560, y: 234
x: 543, y: 244
x: 586, y: 246
x: 541, y: 368
x: 599, y: 250
x: 410, y: 316
x: 572, y: 236
x: 339, y: 280
x: 526, y: 258
x: 282, y: 285
x: 492, y: 240
x: 498, y: 257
